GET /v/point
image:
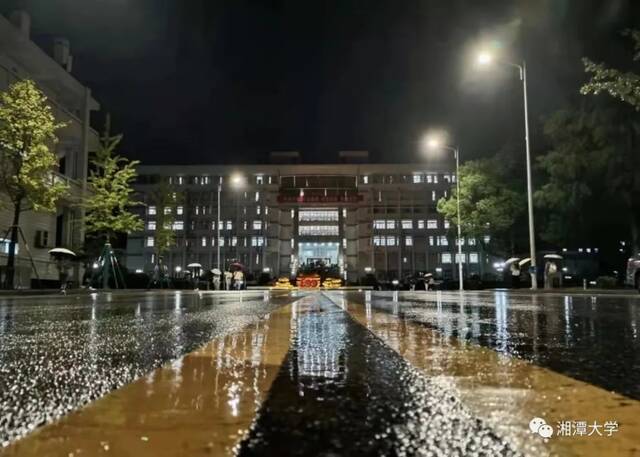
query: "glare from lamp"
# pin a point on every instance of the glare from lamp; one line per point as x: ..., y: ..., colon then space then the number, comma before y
x: 484, y: 58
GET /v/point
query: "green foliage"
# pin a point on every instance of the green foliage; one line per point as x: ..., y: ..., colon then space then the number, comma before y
x: 165, y: 196
x: 110, y: 191
x: 624, y: 86
x: 488, y: 205
x: 27, y: 132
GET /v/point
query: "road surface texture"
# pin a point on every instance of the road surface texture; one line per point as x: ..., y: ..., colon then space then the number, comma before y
x: 319, y: 373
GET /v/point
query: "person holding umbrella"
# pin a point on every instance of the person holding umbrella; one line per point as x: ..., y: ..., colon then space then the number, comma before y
x: 195, y: 269
x: 216, y: 278
x: 63, y: 258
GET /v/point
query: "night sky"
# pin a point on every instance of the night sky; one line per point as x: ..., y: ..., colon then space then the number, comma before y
x: 205, y: 81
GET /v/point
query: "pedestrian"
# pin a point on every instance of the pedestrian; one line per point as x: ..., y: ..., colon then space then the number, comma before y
x: 63, y: 274
x: 515, y: 275
x: 238, y: 277
x: 216, y: 279
x: 551, y: 274
x: 228, y: 276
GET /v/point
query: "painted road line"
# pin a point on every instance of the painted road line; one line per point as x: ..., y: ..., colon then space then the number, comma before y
x: 343, y: 392
x: 507, y: 392
x: 200, y: 404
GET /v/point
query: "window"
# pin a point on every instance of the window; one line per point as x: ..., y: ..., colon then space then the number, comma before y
x: 473, y: 257
x: 151, y: 211
x: 257, y: 225
x: 487, y: 239
x: 446, y: 257
x: 391, y: 224
x: 408, y: 241
x: 293, y: 243
x: 459, y: 241
x: 344, y: 243
x: 417, y: 179
x: 432, y: 178
x: 203, y: 241
x: 234, y: 241
x: 447, y: 224
x: 221, y: 241
x: 4, y: 246
x: 407, y: 224
x: 392, y: 241
x: 257, y: 196
x: 151, y: 225
x: 379, y: 241
x: 432, y: 224
x: 431, y: 239
x: 266, y: 210
x: 167, y: 210
x: 178, y: 225
x: 464, y: 260
x: 179, y: 210
x: 259, y: 179
x: 150, y: 242
x: 180, y: 180
x: 257, y: 241
x: 365, y: 179
x: 258, y: 210
x: 433, y: 195
x: 293, y: 213
x: 318, y: 230
x: 443, y: 241
x: 344, y: 212
x: 379, y: 224
x: 229, y: 225
x: 196, y: 209
x: 318, y: 215
x: 471, y: 241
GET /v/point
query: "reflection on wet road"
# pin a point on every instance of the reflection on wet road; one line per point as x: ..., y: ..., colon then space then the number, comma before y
x: 335, y: 373
x: 58, y: 353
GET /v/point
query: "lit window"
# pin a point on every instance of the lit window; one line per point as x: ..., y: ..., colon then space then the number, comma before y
x: 447, y: 224
x: 391, y: 224
x: 179, y: 210
x: 258, y: 210
x: 293, y: 243
x: 167, y: 210
x: 197, y: 210
x: 344, y: 243
x: 417, y: 179
x: 151, y: 211
x: 318, y: 230
x: 365, y: 179
x: 432, y: 224
x: 464, y: 260
x: 317, y: 215
x: 379, y: 224
x: 293, y: 213
x: 471, y: 241
x: 446, y: 257
x: 257, y: 241
x: 379, y: 241
x: 266, y: 210
x: 407, y: 224
x: 150, y: 242
x: 180, y: 180
x: 344, y: 212
x: 421, y: 224
x: 433, y: 195
x: 431, y: 239
x: 257, y: 196
x: 178, y: 225
x: 257, y: 225
x: 408, y: 241
x: 229, y: 225
x: 221, y: 241
x: 167, y: 225
x: 151, y: 225
x: 213, y: 225
x: 473, y: 257
x: 487, y: 239
x: 203, y: 241
x: 234, y: 241
x: 459, y: 241
x: 259, y: 179
x: 443, y: 241
x: 391, y: 241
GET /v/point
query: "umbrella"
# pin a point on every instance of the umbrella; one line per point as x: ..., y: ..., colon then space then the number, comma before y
x: 215, y: 271
x: 237, y: 265
x: 428, y: 275
x: 62, y: 252
x: 511, y: 260
x: 194, y: 265
x: 553, y: 256
x: 524, y: 261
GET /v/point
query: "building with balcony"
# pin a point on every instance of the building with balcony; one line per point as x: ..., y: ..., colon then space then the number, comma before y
x: 72, y: 103
x: 281, y: 217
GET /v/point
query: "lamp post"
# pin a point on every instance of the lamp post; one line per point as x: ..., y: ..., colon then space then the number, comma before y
x: 434, y: 142
x: 486, y: 59
x: 237, y: 182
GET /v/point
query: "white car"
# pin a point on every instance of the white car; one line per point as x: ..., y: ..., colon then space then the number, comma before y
x: 633, y: 272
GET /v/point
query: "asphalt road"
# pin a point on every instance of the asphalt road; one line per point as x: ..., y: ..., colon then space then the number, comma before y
x: 313, y: 373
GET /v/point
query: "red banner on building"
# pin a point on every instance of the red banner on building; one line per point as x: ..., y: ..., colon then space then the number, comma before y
x: 352, y: 198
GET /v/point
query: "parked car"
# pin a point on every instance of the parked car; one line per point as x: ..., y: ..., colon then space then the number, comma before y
x: 633, y: 272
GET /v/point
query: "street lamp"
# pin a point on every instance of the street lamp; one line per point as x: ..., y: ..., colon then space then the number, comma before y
x: 434, y: 142
x: 237, y: 181
x: 486, y: 58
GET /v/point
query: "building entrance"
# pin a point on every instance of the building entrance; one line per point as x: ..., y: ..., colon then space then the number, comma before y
x: 318, y: 253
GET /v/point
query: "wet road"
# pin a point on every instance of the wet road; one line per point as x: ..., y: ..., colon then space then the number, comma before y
x: 336, y: 373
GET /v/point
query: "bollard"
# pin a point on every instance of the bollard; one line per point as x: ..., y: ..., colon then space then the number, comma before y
x: 584, y: 284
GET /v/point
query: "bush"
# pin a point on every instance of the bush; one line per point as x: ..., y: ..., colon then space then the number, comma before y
x: 606, y: 282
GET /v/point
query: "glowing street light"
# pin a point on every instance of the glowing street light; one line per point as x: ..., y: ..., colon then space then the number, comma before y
x: 435, y: 141
x: 484, y: 59
x: 237, y: 181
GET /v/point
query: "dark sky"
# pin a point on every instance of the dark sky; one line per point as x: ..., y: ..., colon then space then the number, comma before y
x: 206, y: 81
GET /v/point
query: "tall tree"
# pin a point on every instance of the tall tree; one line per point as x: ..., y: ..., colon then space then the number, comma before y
x: 27, y: 162
x: 110, y: 192
x: 488, y: 205
x: 624, y: 171
x: 166, y: 200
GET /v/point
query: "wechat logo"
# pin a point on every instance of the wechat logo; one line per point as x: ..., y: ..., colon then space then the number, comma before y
x: 540, y: 426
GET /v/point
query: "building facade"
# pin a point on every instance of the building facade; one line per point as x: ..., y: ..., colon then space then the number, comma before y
x: 72, y: 103
x: 280, y: 218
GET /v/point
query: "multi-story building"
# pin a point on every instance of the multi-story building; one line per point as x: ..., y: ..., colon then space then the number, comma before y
x: 72, y: 103
x: 276, y: 218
